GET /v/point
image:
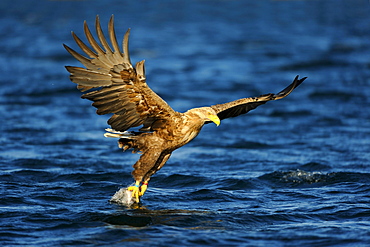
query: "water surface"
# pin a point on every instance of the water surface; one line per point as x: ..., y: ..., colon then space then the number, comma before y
x: 292, y: 172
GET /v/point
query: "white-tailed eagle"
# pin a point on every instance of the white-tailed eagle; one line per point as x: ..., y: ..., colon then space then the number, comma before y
x: 117, y: 87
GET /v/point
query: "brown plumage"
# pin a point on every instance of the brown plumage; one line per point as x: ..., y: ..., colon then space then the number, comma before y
x: 118, y: 88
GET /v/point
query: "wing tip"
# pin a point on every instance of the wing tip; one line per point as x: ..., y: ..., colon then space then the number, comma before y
x: 286, y: 91
x: 298, y: 81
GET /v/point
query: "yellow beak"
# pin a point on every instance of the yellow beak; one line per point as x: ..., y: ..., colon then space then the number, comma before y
x: 215, y: 119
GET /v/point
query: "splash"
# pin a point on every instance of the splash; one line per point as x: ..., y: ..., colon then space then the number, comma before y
x: 124, y: 197
x: 300, y: 176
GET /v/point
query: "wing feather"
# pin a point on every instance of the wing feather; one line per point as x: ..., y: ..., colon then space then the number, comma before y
x: 90, y: 38
x: 242, y: 106
x: 101, y: 37
x: 113, y: 84
x: 113, y: 38
x: 84, y: 47
x: 125, y: 47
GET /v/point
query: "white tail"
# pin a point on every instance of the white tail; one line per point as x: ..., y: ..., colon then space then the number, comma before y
x: 117, y: 134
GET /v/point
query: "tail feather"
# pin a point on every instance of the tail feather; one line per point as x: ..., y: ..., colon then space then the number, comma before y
x: 128, y: 140
x: 118, y: 134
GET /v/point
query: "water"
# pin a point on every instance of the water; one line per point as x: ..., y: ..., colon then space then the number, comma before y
x: 292, y: 172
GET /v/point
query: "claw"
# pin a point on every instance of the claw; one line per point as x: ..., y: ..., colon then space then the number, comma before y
x: 135, y: 191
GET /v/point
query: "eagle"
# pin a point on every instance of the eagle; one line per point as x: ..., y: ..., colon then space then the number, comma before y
x: 140, y: 118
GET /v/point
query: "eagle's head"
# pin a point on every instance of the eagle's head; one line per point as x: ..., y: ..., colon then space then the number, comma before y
x: 207, y: 114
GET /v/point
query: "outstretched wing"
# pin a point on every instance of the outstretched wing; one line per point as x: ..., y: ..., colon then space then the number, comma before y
x: 114, y: 84
x: 242, y: 106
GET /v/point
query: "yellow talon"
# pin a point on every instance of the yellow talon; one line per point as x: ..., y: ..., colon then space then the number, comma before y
x: 135, y: 191
x: 143, y: 189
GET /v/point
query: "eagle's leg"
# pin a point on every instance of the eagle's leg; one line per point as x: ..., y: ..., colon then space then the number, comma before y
x: 159, y: 164
x: 143, y: 188
x: 135, y: 191
x: 153, y: 154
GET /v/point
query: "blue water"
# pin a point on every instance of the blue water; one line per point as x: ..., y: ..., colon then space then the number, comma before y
x: 292, y: 172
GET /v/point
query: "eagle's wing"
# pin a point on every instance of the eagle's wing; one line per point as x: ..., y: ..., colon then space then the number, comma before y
x: 242, y: 106
x: 113, y: 84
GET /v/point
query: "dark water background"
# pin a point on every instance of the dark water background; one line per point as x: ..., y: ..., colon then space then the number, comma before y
x: 293, y: 172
